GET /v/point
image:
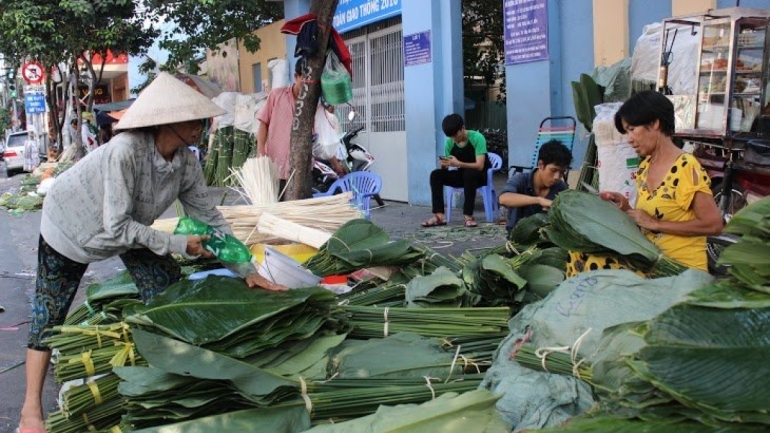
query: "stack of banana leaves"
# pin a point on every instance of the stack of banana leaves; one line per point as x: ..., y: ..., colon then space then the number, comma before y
x: 700, y: 366
x: 523, y: 270
x: 360, y: 244
x: 206, y: 350
x: 105, y: 301
x: 585, y: 223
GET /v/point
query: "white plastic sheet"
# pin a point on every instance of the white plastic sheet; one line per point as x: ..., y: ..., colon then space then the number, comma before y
x: 645, y: 62
x: 618, y: 161
x: 279, y: 73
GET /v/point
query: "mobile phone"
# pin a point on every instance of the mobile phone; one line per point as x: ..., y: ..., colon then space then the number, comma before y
x: 443, y: 157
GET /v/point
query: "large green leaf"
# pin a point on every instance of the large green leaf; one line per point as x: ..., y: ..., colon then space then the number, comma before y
x: 272, y: 420
x: 603, y: 223
x: 379, y: 255
x: 357, y: 234
x: 729, y: 294
x: 752, y: 220
x: 359, y: 244
x: 142, y: 380
x: 441, y: 287
x: 119, y: 286
x: 541, y: 279
x: 211, y: 309
x: 180, y: 358
x: 495, y: 264
x: 709, y: 357
x: 527, y: 230
x: 313, y: 353
x: 400, y: 356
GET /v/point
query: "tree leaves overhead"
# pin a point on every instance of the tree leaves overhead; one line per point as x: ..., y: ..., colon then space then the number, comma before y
x: 483, y: 45
x: 54, y: 31
x: 207, y: 24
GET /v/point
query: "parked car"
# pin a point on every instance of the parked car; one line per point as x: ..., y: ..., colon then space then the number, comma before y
x: 13, y: 154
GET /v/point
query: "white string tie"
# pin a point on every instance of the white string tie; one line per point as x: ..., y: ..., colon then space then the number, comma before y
x: 452, y: 367
x: 385, y: 316
x: 430, y: 387
x: 303, y: 393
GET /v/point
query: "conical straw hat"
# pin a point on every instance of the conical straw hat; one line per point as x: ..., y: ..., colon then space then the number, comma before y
x: 167, y: 100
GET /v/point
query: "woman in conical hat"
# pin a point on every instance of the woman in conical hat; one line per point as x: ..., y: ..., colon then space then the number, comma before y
x: 103, y: 207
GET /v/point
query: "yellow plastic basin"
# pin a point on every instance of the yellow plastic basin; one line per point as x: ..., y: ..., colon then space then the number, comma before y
x: 298, y: 252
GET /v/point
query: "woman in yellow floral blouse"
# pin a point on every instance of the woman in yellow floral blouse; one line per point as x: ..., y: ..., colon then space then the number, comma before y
x: 675, y: 208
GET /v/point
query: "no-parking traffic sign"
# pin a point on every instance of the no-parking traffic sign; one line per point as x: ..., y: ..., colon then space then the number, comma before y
x: 33, y: 72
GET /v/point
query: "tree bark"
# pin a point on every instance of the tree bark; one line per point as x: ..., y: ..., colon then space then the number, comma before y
x: 304, y: 112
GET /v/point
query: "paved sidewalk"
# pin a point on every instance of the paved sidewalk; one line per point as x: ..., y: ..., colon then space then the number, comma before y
x: 402, y: 220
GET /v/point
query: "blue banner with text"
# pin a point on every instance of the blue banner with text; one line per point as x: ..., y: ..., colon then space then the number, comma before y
x: 352, y: 14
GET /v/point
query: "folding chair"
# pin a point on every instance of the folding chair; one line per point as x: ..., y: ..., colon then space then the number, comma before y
x: 363, y: 184
x: 560, y: 128
x: 487, y: 192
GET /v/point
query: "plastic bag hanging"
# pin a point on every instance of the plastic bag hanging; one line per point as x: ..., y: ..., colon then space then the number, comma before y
x: 336, y: 84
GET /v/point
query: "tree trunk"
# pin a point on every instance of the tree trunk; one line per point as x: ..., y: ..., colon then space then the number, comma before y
x: 304, y: 112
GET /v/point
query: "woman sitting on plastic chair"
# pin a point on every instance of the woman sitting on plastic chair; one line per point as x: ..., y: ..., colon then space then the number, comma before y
x: 467, y: 152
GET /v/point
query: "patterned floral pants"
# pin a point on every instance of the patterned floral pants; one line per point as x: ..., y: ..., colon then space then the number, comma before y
x: 58, y: 279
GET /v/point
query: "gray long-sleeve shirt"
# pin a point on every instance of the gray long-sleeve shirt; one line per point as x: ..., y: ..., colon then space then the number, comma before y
x: 104, y: 205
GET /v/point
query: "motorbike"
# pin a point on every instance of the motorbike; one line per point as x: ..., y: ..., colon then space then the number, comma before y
x: 354, y: 157
x: 738, y: 178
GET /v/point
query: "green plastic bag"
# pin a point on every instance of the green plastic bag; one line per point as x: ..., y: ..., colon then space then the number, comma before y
x: 224, y: 246
x: 336, y: 83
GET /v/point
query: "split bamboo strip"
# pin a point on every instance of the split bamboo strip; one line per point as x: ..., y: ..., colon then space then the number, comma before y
x: 336, y: 401
x: 323, y: 213
x: 374, y: 322
x: 270, y: 224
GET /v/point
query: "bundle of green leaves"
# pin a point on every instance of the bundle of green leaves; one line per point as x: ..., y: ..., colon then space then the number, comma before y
x: 360, y: 244
x: 699, y: 366
x: 749, y: 258
x: 585, y: 223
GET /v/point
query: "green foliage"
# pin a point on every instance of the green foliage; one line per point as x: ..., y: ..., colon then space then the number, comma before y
x: 483, y: 46
x: 5, y: 119
x: 206, y: 24
x: 54, y: 31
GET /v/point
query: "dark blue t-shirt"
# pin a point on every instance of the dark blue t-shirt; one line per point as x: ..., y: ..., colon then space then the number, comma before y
x: 522, y: 183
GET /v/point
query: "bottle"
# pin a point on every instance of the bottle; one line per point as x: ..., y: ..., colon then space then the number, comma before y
x: 225, y: 247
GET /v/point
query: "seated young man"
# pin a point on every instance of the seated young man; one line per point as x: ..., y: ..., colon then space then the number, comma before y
x: 526, y: 194
x: 465, y: 150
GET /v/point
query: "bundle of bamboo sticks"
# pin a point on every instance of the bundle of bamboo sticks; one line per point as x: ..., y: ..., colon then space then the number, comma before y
x: 258, y: 180
x: 323, y: 213
x: 270, y: 224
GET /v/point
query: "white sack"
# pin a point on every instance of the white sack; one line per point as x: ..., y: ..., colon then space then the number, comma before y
x: 645, y: 62
x: 246, y: 107
x: 226, y: 101
x: 279, y: 73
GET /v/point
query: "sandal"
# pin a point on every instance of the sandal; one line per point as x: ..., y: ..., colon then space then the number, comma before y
x: 471, y: 223
x: 433, y: 222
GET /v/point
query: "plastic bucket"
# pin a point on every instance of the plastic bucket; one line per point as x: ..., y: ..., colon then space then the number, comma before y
x: 282, y: 269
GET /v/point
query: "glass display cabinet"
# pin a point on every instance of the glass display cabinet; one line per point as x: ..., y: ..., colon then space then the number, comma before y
x: 732, y: 74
